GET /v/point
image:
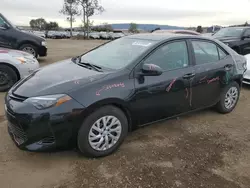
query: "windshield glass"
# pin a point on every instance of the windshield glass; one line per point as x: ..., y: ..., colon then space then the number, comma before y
x: 8, y: 22
x: 229, y: 32
x: 118, y: 53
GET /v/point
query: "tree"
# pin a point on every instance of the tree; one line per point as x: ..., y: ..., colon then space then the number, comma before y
x: 89, y: 8
x: 70, y: 9
x: 133, y: 28
x: 107, y: 27
x: 246, y: 24
x: 51, y: 26
x: 199, y: 29
x: 39, y: 23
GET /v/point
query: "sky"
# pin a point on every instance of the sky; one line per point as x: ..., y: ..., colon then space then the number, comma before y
x: 167, y: 12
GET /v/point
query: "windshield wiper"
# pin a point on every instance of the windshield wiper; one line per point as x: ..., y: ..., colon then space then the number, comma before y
x: 77, y: 60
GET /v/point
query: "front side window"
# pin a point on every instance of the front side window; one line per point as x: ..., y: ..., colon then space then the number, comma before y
x: 171, y: 56
x: 205, y: 52
x: 118, y: 53
x: 2, y: 22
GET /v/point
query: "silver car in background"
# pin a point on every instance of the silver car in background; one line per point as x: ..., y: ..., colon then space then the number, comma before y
x: 15, y: 65
x: 246, y: 77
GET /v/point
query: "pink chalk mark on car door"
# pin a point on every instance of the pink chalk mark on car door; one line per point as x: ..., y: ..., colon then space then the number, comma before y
x: 109, y: 87
x: 171, y: 85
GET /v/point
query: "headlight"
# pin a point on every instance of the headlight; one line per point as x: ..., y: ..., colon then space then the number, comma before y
x: 48, y: 101
x: 21, y: 59
x: 25, y: 59
x: 44, y: 43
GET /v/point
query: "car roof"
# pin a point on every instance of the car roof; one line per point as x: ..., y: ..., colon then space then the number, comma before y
x: 164, y: 36
x: 241, y: 27
x: 177, y: 31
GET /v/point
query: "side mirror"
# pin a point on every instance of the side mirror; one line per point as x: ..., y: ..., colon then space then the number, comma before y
x: 151, y: 70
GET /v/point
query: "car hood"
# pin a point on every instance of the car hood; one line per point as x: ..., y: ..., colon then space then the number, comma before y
x: 14, y: 53
x: 227, y: 39
x: 31, y: 35
x: 57, y: 78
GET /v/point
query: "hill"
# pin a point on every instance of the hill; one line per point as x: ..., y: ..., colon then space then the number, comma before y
x: 147, y: 27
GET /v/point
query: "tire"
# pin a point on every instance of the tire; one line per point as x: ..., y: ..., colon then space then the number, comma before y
x: 8, y: 77
x: 221, y: 105
x: 29, y: 48
x: 83, y: 140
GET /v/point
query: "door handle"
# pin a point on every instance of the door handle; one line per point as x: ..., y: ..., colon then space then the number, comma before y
x: 189, y: 75
x: 228, y: 67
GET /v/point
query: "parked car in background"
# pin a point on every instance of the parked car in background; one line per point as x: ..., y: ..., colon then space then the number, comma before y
x: 94, y: 35
x: 95, y: 99
x: 246, y: 79
x: 12, y: 37
x: 238, y: 38
x: 104, y: 35
x: 114, y: 36
x: 39, y: 33
x: 186, y: 32
x: 15, y: 65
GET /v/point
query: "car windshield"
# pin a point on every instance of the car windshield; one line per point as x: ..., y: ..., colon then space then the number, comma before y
x: 118, y: 53
x: 229, y: 32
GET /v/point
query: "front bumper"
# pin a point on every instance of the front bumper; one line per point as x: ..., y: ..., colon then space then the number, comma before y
x: 28, y: 68
x: 41, y: 130
x: 42, y: 51
x: 246, y: 77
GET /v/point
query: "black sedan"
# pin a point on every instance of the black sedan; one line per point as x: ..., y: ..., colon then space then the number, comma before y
x: 238, y: 38
x: 92, y: 101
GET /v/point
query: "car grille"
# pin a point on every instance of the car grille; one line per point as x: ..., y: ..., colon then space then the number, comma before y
x: 18, y: 133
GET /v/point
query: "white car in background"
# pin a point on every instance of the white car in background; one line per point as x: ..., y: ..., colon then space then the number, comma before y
x: 246, y: 77
x: 15, y: 65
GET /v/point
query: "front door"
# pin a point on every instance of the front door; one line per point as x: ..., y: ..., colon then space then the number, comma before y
x: 212, y: 72
x: 159, y: 97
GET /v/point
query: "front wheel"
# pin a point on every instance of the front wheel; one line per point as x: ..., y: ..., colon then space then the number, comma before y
x: 29, y: 48
x: 8, y: 77
x: 102, y: 132
x: 229, y: 98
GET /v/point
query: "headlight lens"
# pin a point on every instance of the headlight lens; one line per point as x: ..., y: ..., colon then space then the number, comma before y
x: 21, y: 59
x: 25, y: 59
x: 44, y: 43
x: 48, y: 101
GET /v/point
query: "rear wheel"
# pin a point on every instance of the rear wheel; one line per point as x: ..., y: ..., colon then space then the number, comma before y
x: 8, y: 77
x: 29, y: 48
x: 229, y: 98
x: 102, y: 132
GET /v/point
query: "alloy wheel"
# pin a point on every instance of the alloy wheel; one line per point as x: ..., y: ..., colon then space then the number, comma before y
x: 231, y: 97
x: 105, y: 133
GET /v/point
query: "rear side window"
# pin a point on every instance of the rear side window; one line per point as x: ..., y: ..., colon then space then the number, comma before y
x: 222, y: 54
x: 207, y: 52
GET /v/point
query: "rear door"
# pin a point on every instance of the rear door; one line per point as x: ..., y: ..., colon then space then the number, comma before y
x: 5, y: 35
x: 212, y: 72
x: 159, y: 97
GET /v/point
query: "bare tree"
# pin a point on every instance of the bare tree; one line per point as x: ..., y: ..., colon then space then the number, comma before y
x: 89, y: 8
x: 70, y: 8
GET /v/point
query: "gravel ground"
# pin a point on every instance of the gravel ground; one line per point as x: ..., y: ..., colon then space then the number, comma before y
x: 202, y: 149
